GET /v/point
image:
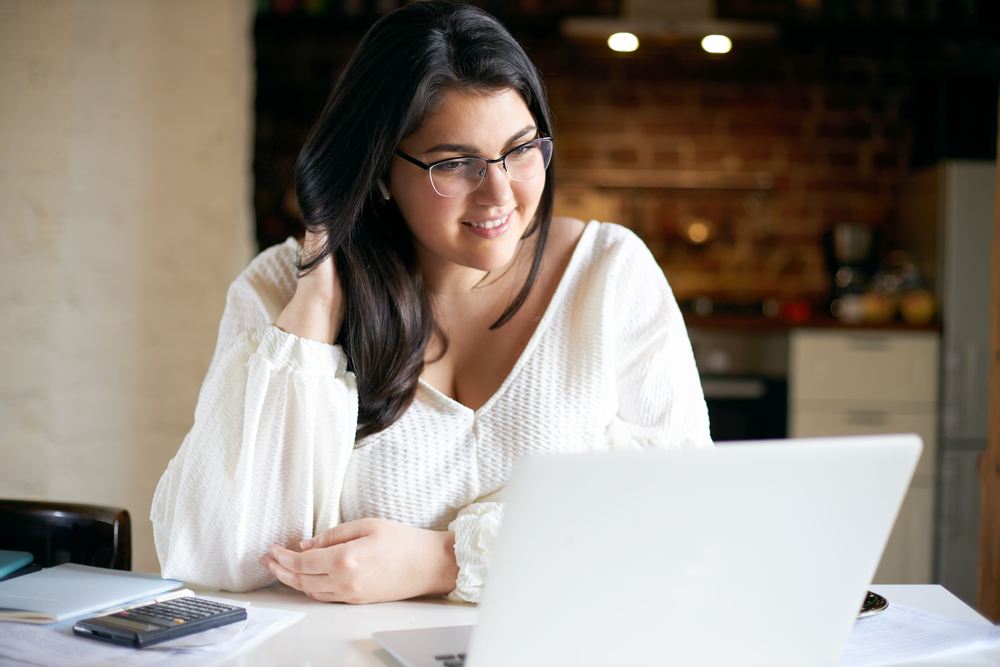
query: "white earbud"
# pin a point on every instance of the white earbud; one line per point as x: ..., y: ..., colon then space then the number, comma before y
x: 384, y: 190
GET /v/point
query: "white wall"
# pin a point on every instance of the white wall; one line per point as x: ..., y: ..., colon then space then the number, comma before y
x: 125, y: 211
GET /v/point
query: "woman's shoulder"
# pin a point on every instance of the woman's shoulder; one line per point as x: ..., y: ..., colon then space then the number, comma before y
x: 272, y: 274
x: 597, y: 239
x: 281, y: 258
x: 279, y: 255
x: 612, y: 234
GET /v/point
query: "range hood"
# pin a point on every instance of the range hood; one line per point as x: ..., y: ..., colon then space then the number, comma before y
x: 666, y: 20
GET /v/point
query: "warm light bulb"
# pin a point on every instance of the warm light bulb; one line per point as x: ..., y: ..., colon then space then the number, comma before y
x: 623, y: 41
x: 716, y: 44
x: 698, y: 232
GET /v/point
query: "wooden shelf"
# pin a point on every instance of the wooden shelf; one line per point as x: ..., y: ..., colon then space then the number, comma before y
x: 665, y: 179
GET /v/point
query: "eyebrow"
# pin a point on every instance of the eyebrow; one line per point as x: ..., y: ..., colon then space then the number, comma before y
x: 466, y: 148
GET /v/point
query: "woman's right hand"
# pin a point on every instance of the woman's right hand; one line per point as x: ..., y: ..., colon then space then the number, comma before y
x: 316, y: 311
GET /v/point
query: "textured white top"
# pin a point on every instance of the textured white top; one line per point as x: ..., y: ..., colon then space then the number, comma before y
x: 272, y: 458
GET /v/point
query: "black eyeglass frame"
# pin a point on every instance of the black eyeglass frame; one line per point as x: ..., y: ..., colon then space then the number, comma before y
x: 502, y: 160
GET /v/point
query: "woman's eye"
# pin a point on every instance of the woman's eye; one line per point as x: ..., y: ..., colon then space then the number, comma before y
x: 453, y: 165
x: 522, y: 150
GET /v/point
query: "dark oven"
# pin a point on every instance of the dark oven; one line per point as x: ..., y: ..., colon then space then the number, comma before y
x: 745, y: 379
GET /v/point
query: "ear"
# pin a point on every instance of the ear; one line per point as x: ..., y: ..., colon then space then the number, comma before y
x: 386, y: 196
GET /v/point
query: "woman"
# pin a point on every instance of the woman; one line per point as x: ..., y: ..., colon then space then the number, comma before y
x: 371, y: 391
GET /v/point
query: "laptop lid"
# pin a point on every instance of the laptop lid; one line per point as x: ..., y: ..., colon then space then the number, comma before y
x: 755, y: 553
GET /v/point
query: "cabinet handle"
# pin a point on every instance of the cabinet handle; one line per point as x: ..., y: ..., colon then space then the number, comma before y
x: 866, y: 417
x: 868, y: 343
x: 733, y: 388
x: 971, y: 400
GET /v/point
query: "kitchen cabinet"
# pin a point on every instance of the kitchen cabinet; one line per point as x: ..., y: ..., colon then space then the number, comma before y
x: 846, y: 382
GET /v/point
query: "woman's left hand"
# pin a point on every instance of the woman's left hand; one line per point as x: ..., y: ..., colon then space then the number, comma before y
x: 369, y: 560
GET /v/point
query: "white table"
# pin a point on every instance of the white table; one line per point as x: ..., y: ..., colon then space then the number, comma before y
x: 338, y: 634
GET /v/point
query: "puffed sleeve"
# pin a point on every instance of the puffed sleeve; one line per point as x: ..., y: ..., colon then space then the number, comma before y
x: 660, y: 399
x: 265, y: 460
x: 476, y: 528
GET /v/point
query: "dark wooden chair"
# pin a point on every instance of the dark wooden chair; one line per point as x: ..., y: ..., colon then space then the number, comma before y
x: 56, y: 533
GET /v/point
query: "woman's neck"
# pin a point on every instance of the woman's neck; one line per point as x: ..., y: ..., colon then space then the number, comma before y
x: 448, y: 281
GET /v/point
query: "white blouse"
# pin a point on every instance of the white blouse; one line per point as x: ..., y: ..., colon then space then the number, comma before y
x: 272, y: 456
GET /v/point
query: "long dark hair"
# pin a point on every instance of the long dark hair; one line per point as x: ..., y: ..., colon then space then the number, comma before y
x: 393, y: 82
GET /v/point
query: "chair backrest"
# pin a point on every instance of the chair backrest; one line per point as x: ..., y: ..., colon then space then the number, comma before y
x: 56, y: 533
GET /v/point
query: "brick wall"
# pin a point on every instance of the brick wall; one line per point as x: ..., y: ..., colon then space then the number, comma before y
x: 834, y: 152
x: 821, y: 112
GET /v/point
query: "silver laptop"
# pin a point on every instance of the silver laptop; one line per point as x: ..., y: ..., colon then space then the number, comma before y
x: 755, y: 553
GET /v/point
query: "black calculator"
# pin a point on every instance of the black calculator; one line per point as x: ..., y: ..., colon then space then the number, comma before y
x: 160, y: 622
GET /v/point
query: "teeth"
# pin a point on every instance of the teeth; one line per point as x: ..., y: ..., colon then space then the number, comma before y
x: 490, y: 224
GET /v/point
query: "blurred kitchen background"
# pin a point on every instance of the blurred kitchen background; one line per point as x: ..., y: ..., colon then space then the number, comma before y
x: 820, y: 197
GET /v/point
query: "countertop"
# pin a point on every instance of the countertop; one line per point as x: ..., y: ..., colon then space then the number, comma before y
x: 761, y: 323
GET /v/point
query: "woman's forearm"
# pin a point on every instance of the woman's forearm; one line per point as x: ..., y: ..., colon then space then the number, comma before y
x: 316, y: 311
x: 263, y: 464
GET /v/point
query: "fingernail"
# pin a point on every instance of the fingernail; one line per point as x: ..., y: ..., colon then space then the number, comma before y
x: 308, y: 543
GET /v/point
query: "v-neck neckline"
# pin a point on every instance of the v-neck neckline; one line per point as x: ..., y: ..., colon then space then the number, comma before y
x: 522, y: 360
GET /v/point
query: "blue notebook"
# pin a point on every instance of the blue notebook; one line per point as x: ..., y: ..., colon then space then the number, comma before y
x: 13, y: 560
x: 70, y: 590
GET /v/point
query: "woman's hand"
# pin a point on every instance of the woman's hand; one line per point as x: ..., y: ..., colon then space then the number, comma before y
x: 316, y: 311
x: 369, y: 560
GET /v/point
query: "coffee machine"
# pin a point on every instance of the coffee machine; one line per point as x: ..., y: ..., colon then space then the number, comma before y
x: 852, y: 257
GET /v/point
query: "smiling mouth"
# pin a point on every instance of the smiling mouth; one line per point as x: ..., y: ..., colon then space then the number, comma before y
x: 489, y: 224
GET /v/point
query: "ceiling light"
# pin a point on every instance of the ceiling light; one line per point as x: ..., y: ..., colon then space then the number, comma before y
x: 623, y: 41
x: 666, y: 21
x: 716, y: 44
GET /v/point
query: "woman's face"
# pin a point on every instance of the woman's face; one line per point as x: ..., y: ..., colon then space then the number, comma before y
x: 480, y: 230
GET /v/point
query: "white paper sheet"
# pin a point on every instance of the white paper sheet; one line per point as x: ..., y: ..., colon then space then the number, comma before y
x: 55, y: 645
x: 903, y: 633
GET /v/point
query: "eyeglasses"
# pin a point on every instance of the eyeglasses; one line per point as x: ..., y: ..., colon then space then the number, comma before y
x: 457, y: 176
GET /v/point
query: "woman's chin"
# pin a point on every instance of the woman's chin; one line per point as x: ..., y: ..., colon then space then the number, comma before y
x: 491, y: 264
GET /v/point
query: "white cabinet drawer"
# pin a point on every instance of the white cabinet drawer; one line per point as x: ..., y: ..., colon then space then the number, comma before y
x: 867, y: 422
x: 863, y: 365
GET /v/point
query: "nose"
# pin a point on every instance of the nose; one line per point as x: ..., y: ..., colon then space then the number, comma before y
x: 495, y: 188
